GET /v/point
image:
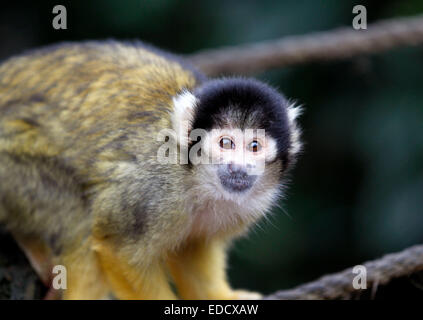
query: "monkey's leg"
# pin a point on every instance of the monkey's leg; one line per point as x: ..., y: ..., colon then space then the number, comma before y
x: 83, y: 276
x: 42, y: 207
x: 199, y: 272
x: 129, y: 282
x: 82, y: 273
x: 85, y: 279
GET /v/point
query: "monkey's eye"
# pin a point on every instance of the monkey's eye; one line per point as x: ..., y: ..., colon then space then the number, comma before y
x: 254, y: 146
x: 226, y: 143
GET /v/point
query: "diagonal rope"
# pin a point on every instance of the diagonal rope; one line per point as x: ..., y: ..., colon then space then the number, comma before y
x: 320, y: 46
x: 339, y: 285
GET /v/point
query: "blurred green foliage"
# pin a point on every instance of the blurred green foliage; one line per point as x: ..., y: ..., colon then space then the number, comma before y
x: 357, y: 191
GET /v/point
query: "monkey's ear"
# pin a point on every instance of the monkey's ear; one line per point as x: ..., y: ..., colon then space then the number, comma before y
x: 293, y: 113
x: 183, y: 115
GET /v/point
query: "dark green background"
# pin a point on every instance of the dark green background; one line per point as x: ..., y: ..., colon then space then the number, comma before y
x: 357, y: 191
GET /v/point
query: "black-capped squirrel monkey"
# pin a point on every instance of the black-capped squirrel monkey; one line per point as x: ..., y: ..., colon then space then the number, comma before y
x: 130, y: 168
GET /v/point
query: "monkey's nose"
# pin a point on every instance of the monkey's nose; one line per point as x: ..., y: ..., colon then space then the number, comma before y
x: 236, y: 169
x: 235, y: 178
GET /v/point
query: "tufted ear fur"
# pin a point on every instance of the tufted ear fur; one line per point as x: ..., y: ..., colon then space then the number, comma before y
x: 183, y: 115
x: 293, y: 113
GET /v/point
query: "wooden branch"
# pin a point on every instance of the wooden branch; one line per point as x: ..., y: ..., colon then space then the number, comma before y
x: 320, y: 46
x: 339, y: 285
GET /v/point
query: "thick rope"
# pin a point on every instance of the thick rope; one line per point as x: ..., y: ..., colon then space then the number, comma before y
x: 339, y: 285
x: 336, y: 44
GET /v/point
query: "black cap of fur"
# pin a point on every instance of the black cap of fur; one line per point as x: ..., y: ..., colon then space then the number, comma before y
x: 257, y: 106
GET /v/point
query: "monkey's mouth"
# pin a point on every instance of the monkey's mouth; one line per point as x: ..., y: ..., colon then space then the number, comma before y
x: 237, y: 181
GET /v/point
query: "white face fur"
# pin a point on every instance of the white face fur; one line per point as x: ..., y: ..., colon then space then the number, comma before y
x: 231, y: 184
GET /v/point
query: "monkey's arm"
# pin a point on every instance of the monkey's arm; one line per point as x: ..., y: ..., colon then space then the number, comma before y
x: 199, y: 272
x: 146, y: 281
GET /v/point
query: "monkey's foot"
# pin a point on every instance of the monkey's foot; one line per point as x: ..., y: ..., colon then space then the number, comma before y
x: 247, y: 295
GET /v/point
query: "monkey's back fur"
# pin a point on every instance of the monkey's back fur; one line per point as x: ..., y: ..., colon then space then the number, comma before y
x: 78, y: 126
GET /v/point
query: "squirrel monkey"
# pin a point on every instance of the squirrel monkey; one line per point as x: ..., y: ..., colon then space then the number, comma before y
x: 133, y: 170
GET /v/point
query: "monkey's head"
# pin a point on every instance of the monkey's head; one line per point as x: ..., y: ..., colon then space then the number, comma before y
x: 242, y: 138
